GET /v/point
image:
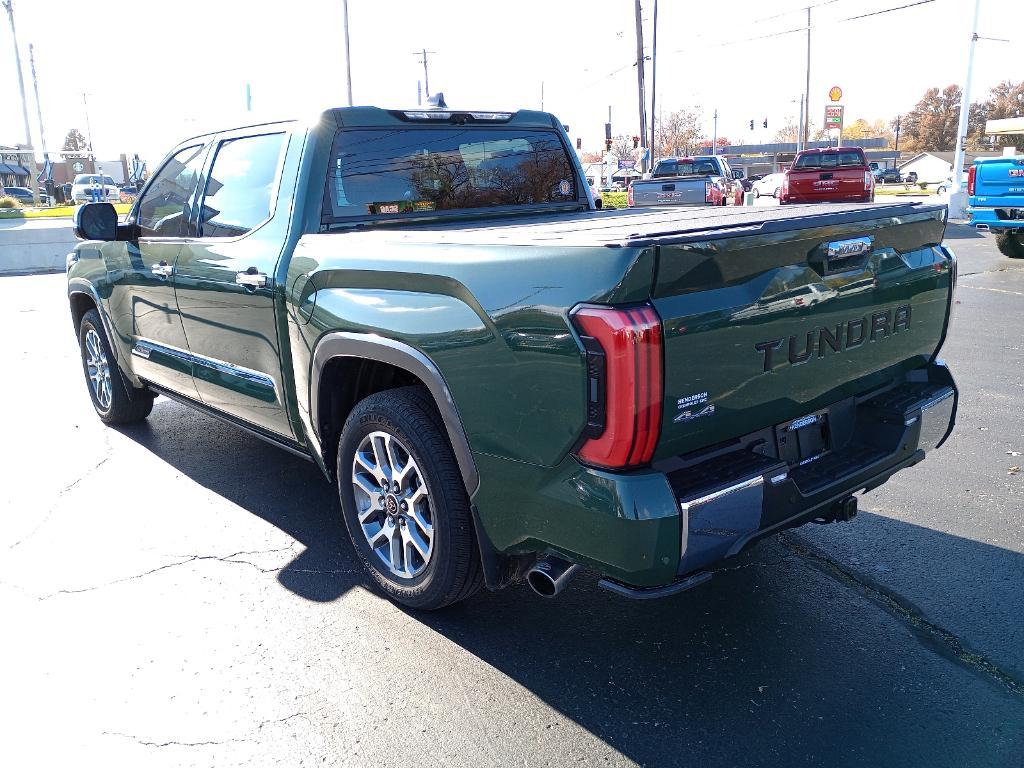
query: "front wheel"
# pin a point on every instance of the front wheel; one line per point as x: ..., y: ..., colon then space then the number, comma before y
x: 404, y: 502
x: 1011, y: 244
x: 115, y: 401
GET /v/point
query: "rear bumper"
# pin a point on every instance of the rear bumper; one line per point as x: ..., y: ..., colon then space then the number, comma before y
x: 652, y: 530
x: 1009, y: 219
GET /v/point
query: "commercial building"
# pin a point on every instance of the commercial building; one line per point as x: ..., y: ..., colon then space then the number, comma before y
x: 12, y: 172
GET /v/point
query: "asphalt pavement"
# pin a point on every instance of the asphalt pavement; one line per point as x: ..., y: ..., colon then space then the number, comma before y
x: 179, y: 593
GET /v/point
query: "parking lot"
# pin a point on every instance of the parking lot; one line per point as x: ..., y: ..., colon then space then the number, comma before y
x: 180, y: 593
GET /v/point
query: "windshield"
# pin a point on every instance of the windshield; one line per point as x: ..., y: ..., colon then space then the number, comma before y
x: 831, y: 160
x: 387, y: 172
x: 685, y: 168
x: 94, y: 179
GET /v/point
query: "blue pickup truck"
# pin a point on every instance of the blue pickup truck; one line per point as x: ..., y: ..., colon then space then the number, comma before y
x: 995, y: 187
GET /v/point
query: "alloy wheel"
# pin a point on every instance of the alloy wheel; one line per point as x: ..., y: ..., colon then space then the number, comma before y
x: 98, y: 369
x: 392, y: 504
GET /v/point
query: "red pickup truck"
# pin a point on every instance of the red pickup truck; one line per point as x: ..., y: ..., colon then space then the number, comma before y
x: 833, y: 175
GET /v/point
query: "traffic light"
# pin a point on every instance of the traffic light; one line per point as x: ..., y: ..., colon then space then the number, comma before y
x: 751, y: 125
x: 765, y: 123
x: 579, y: 143
x: 608, y: 145
x: 636, y: 142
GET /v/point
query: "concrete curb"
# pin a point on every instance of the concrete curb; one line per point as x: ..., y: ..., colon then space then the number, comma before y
x: 34, y: 246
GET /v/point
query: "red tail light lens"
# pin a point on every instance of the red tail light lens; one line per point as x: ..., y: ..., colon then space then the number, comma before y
x: 867, y: 181
x: 624, y: 384
x: 629, y: 195
x: 970, y: 179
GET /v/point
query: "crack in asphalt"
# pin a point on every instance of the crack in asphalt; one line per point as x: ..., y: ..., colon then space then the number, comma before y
x: 60, y: 494
x: 896, y: 606
x: 145, y: 743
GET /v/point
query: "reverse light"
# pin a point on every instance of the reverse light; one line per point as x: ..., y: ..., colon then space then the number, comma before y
x: 624, y: 384
x: 971, y: 180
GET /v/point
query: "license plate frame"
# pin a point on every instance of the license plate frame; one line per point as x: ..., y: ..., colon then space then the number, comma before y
x: 803, y: 440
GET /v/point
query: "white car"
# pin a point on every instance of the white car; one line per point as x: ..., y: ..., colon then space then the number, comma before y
x: 768, y: 185
x: 946, y: 185
x: 107, y: 189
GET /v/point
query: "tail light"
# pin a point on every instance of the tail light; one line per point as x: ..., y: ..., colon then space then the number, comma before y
x: 629, y: 196
x: 785, y: 185
x: 707, y: 192
x: 867, y: 181
x: 624, y: 384
x: 970, y: 179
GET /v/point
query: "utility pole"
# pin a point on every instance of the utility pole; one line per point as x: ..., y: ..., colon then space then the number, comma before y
x: 896, y: 150
x: 248, y: 97
x: 654, y: 77
x: 348, y: 51
x: 32, y: 168
x: 640, y: 83
x: 88, y: 131
x: 714, y: 135
x: 541, y: 95
x: 956, y: 199
x: 807, y: 85
x: 799, y: 130
x: 423, y: 52
x: 39, y: 106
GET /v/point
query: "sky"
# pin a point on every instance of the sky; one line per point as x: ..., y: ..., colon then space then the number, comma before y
x: 155, y: 73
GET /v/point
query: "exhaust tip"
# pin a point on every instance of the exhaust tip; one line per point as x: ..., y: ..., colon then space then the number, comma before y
x: 550, y: 576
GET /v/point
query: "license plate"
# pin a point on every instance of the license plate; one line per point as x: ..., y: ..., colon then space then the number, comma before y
x: 803, y: 440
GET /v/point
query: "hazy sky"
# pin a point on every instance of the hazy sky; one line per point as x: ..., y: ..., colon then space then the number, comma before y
x: 158, y: 72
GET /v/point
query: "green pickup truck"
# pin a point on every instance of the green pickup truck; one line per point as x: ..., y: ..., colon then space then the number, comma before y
x: 503, y: 382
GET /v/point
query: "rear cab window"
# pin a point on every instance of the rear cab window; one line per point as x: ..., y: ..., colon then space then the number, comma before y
x: 411, y: 170
x: 853, y: 158
x: 685, y: 168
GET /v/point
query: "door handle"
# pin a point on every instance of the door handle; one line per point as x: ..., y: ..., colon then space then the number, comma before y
x: 251, y: 278
x: 163, y: 269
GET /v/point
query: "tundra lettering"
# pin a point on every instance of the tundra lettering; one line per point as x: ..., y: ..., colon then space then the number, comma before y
x: 881, y: 324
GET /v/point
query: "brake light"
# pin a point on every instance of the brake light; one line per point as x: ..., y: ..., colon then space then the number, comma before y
x: 785, y: 185
x: 707, y: 192
x: 624, y: 384
x: 867, y: 181
x: 970, y: 179
x: 629, y: 195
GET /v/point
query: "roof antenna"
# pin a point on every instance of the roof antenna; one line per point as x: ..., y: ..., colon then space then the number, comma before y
x: 437, y: 101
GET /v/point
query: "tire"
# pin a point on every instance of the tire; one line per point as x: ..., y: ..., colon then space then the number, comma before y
x: 113, y: 398
x: 403, y: 426
x: 940, y: 190
x: 775, y: 193
x: 1011, y: 244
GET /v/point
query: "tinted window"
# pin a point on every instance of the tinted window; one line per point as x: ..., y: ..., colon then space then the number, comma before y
x: 831, y: 160
x: 164, y: 209
x: 409, y: 170
x: 686, y: 168
x: 240, y: 186
x: 94, y: 180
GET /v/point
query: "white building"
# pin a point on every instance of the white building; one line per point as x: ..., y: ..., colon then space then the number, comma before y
x: 935, y: 167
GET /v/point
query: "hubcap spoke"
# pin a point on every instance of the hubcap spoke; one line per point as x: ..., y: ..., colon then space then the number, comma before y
x: 98, y: 369
x: 392, y: 504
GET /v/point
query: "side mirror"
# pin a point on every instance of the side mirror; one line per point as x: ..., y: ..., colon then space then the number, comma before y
x: 96, y: 221
x: 598, y: 202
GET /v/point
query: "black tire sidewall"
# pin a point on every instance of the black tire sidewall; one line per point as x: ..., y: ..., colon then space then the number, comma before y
x: 394, y: 415
x: 89, y: 322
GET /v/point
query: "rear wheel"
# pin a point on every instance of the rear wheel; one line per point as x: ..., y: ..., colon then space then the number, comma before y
x: 404, y: 503
x: 1011, y: 244
x: 115, y: 401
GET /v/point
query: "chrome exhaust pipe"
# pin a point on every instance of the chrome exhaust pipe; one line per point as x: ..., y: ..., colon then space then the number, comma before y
x: 981, y: 227
x: 550, y: 576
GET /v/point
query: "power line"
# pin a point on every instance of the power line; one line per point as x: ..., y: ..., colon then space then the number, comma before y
x: 887, y: 10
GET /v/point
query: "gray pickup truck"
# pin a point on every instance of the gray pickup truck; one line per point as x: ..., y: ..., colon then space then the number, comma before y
x: 684, y: 181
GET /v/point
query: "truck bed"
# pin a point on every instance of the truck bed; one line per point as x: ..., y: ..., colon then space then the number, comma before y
x: 639, y: 227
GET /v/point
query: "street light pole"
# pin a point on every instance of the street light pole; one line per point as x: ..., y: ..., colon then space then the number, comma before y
x: 348, y: 52
x: 807, y: 85
x: 32, y: 167
x: 640, y: 83
x: 654, y: 77
x: 956, y: 200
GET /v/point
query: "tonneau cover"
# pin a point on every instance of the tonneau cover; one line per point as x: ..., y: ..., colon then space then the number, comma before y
x: 638, y: 226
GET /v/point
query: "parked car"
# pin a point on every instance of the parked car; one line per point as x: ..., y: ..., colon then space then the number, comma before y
x: 747, y: 182
x: 702, y: 180
x: 501, y: 382
x: 769, y: 185
x: 87, y: 187
x: 888, y: 176
x: 24, y: 195
x: 995, y: 189
x: 910, y: 177
x: 835, y: 174
x: 946, y: 185
x: 128, y: 194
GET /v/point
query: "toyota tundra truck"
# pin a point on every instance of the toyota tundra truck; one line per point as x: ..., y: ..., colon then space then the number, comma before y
x: 995, y: 190
x: 502, y: 382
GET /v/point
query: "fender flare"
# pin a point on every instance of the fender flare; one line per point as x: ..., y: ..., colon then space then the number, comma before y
x: 368, y: 346
x: 77, y: 285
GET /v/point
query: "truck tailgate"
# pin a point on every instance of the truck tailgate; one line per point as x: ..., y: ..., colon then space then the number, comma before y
x: 820, y: 185
x: 671, y: 191
x: 763, y: 329
x: 1000, y: 182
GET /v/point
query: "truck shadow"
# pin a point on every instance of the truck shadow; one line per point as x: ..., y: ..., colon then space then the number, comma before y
x: 776, y: 661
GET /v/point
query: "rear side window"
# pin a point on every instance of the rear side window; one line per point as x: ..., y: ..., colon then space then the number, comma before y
x: 831, y: 160
x: 389, y: 172
x: 164, y: 209
x: 241, y: 184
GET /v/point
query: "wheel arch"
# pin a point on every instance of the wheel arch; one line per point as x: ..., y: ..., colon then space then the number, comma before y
x: 346, y: 367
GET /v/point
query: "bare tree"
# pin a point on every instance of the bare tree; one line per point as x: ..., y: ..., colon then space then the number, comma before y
x: 678, y: 133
